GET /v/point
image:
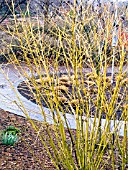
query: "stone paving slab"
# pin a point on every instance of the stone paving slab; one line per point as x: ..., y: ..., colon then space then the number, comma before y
x: 9, y: 101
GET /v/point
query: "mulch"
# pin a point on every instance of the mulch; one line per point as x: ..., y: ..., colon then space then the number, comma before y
x: 28, y: 153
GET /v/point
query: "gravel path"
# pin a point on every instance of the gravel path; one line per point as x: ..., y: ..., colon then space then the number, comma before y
x: 9, y: 98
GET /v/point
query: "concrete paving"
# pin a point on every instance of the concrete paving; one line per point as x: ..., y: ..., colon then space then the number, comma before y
x: 11, y: 100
